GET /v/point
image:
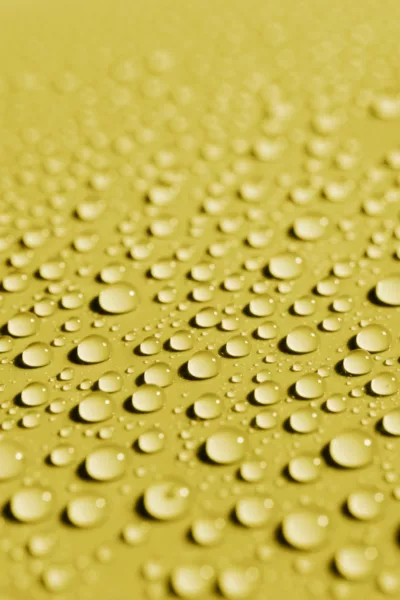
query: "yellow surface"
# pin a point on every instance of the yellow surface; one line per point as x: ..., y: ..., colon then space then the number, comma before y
x: 235, y: 158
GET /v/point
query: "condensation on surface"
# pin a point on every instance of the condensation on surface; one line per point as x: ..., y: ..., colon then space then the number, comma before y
x: 200, y: 296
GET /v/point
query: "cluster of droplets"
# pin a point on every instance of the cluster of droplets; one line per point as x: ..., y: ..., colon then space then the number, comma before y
x: 228, y: 346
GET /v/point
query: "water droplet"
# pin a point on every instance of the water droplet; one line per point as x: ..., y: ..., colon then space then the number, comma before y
x: 305, y: 468
x: 35, y: 394
x: 286, y: 266
x: 158, y: 374
x: 208, y: 406
x: 236, y: 583
x: 167, y: 500
x: 304, y: 420
x: 357, y: 362
x: 267, y: 393
x: 148, y: 398
x: 23, y: 325
x: 37, y: 355
x: 12, y: 460
x: 87, y: 510
x: 391, y: 422
x: 351, y: 449
x: 305, y: 530
x: 263, y: 306
x: 110, y: 382
x: 96, y: 407
x: 225, y: 446
x: 192, y: 581
x: 62, y: 455
x: 118, y: 299
x: 57, y: 578
x: 388, y: 290
x: 31, y: 504
x: 384, y: 384
x: 389, y: 582
x: 94, y: 349
x: 267, y: 331
x: 207, y: 532
x: 106, y: 463
x: 365, y: 504
x: 336, y: 403
x: 150, y: 346
x: 151, y: 441
x: 203, y: 365
x: 302, y: 340
x: 181, y: 341
x: 135, y: 533
x: 310, y: 387
x: 310, y: 227
x: 238, y: 346
x: 373, y: 338
x: 355, y: 562
x: 253, y: 511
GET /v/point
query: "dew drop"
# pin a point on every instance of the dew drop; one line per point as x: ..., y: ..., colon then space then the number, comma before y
x: 305, y: 468
x: 106, y: 463
x: 355, y: 562
x: 305, y: 530
x: 148, y: 398
x: 304, y: 420
x: 208, y: 406
x: 267, y: 393
x: 23, y: 325
x: 263, y: 306
x: 384, y: 384
x: 388, y: 290
x: 267, y: 331
x: 12, y: 460
x: 94, y: 349
x: 32, y: 504
x: 151, y: 441
x: 351, y: 449
x: 302, y: 340
x: 286, y: 266
x: 118, y: 299
x: 391, y: 422
x: 167, y: 500
x: 357, y: 362
x: 62, y: 455
x: 35, y: 394
x: 225, y: 446
x: 310, y: 227
x: 310, y: 387
x: 96, y: 407
x: 203, y: 365
x: 158, y: 374
x: 37, y: 355
x: 238, y: 346
x: 373, y: 338
x: 87, y: 510
x: 365, y: 504
x: 110, y: 382
x: 253, y: 511
x: 192, y: 581
x: 236, y: 583
x: 207, y: 532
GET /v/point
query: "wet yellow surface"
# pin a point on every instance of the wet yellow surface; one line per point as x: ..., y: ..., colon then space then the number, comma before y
x: 200, y: 304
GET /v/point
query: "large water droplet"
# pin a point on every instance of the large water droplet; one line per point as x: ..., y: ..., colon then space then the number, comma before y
x: 118, y: 299
x: 352, y: 449
x: 226, y: 446
x: 167, y: 500
x: 94, y: 349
